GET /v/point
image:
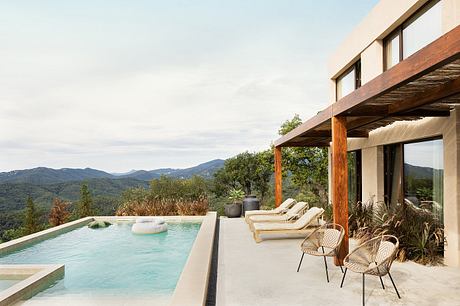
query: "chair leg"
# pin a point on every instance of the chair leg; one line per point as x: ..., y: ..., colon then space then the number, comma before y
x: 364, y: 291
x: 381, y: 281
x: 396, y: 289
x: 341, y: 269
x: 343, y: 278
x: 300, y: 263
x: 325, y: 264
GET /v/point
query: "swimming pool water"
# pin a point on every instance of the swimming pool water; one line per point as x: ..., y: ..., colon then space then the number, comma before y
x: 112, y: 260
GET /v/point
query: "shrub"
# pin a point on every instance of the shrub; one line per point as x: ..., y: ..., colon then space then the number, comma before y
x: 360, y: 216
x: 59, y: 213
x: 164, y: 207
x: 166, y: 197
x: 420, y: 233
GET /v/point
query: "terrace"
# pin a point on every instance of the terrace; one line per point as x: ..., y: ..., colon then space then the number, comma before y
x: 264, y: 273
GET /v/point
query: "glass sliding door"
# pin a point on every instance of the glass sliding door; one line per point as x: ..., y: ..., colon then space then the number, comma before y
x: 414, y: 173
x: 354, y: 177
x: 423, y: 175
x: 393, y: 174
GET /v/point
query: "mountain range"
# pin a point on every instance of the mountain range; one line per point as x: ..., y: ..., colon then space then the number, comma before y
x: 43, y: 175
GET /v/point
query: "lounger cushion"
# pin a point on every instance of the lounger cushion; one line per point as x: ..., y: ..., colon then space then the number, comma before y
x: 290, y: 214
x: 282, y: 208
x: 310, y: 218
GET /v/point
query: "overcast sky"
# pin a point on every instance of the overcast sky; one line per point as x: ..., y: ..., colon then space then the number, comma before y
x: 120, y: 85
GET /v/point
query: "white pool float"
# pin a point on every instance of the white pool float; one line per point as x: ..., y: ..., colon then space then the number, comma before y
x: 149, y: 225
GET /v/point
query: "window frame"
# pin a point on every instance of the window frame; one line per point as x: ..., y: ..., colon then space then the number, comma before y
x: 359, y: 175
x: 387, y: 167
x: 399, y: 31
x: 356, y: 66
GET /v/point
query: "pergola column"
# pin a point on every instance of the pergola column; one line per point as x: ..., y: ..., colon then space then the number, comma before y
x: 278, y: 177
x: 340, y: 181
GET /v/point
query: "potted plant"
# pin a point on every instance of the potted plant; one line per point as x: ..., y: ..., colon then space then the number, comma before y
x: 250, y: 202
x: 233, y: 210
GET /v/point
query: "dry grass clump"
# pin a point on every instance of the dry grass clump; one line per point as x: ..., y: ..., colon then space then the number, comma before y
x: 420, y: 233
x: 164, y: 207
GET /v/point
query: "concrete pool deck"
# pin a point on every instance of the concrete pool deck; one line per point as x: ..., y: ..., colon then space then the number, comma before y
x: 251, y: 273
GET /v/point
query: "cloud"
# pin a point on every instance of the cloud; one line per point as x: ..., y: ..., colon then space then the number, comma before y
x: 150, y: 84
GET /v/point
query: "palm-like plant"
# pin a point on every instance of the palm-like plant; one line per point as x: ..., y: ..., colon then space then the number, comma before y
x: 236, y: 195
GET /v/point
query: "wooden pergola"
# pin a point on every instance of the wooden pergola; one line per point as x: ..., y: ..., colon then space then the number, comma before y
x: 426, y: 84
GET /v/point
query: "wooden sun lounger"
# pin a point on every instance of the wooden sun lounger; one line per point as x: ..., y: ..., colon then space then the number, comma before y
x: 304, y: 225
x: 288, y: 203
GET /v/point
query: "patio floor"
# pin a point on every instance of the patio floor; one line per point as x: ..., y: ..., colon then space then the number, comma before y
x: 264, y: 273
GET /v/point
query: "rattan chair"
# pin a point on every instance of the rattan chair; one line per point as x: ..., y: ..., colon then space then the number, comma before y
x: 325, y: 241
x: 373, y: 257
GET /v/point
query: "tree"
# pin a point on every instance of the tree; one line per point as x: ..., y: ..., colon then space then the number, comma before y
x: 248, y: 171
x: 307, y: 166
x: 30, y: 217
x: 84, y: 208
x: 59, y: 213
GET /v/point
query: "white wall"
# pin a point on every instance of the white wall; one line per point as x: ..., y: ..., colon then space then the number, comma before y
x: 365, y: 42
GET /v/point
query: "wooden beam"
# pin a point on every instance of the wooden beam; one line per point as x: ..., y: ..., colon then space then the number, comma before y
x: 440, y: 52
x: 340, y: 181
x: 278, y: 177
x: 423, y: 113
x: 327, y: 134
x: 321, y: 118
x: 429, y: 96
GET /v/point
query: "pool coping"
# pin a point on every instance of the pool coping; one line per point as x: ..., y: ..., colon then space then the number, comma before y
x: 191, y: 289
x: 38, y: 278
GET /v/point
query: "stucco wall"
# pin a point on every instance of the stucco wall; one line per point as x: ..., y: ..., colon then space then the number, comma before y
x: 365, y: 42
x: 373, y: 174
x: 383, y: 18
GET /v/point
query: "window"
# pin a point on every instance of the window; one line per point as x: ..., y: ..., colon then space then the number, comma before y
x: 354, y: 177
x: 414, y: 173
x: 417, y: 32
x: 349, y: 80
x: 423, y: 175
x: 393, y: 54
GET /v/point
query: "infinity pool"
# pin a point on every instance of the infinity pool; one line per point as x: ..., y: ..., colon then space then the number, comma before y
x: 112, y: 261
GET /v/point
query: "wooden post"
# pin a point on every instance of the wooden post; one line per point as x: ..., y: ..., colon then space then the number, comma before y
x: 340, y: 181
x: 278, y: 177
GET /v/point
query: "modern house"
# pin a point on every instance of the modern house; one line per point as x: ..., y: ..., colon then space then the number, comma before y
x: 394, y: 114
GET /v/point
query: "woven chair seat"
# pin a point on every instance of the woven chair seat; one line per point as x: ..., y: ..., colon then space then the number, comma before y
x: 324, y: 241
x: 372, y: 257
x: 319, y: 252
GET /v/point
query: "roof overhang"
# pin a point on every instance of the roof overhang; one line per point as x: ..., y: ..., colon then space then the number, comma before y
x: 426, y: 84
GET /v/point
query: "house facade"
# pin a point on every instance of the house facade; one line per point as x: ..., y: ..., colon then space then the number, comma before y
x: 413, y: 161
x: 395, y: 108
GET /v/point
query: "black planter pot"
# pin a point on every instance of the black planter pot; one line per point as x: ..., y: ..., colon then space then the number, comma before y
x: 233, y: 210
x: 250, y: 202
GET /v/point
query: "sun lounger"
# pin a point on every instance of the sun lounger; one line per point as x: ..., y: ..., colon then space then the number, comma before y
x: 304, y: 225
x: 278, y: 210
x: 294, y: 213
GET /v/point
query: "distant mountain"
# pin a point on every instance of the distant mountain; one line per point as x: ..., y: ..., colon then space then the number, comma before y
x: 205, y: 170
x: 419, y: 172
x: 42, y: 175
x: 123, y: 173
x: 13, y: 195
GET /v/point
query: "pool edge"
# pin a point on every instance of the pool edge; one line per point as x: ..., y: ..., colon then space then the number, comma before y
x: 192, y: 287
x: 13, y: 245
x: 40, y: 278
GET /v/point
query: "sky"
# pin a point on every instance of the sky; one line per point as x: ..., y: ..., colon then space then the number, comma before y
x: 120, y: 85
